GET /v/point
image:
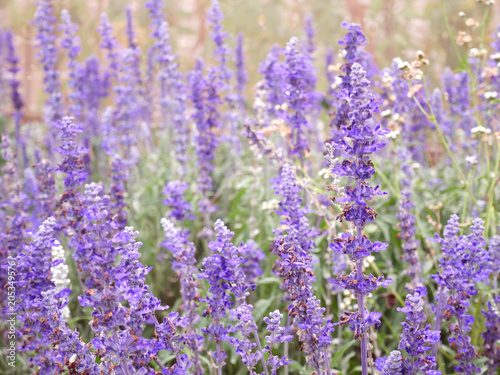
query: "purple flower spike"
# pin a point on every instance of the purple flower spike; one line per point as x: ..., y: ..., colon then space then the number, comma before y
x: 309, y: 30
x: 40, y: 309
x: 464, y: 262
x: 416, y: 339
x: 206, y: 120
x: 355, y: 142
x: 299, y: 95
x: 71, y: 42
x: 184, y: 265
x: 175, y: 200
x: 408, y: 230
x: 46, y: 43
x: 313, y: 331
x: 352, y: 43
x: 241, y: 73
x: 17, y: 101
x: 223, y: 272
x: 294, y: 217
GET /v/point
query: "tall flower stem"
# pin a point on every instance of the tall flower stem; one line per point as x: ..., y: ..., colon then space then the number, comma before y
x: 288, y: 323
x: 259, y: 347
x: 361, y: 309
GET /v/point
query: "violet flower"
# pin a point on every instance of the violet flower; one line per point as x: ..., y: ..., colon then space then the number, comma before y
x: 356, y: 141
x: 463, y: 263
x: 313, y: 331
x: 121, y: 301
x: 223, y: 74
x: 491, y: 336
x: 45, y: 21
x: 17, y: 101
x: 299, y: 96
x: 273, y: 70
x: 277, y: 335
x: 416, y: 339
x: 180, y: 209
x: 205, y: 101
x: 173, y: 94
x: 71, y: 42
x: 227, y: 288
x: 40, y: 310
x: 352, y: 42
x: 456, y: 87
x: 294, y: 218
x: 241, y: 74
x: 184, y: 265
x: 309, y: 30
x: 407, y: 226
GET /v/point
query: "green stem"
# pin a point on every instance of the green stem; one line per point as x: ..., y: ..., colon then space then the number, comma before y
x: 431, y: 117
x: 450, y: 35
x: 395, y: 191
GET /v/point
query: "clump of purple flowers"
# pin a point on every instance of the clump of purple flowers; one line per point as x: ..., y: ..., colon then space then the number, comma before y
x: 463, y: 263
x: 416, y: 339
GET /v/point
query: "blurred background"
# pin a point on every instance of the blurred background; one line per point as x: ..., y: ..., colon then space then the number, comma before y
x: 394, y: 28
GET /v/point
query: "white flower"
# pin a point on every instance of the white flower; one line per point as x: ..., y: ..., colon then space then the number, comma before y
x: 386, y: 113
x: 480, y: 129
x: 471, y: 159
x: 490, y: 95
x: 495, y: 56
x: 403, y: 65
x: 59, y: 274
x: 393, y: 134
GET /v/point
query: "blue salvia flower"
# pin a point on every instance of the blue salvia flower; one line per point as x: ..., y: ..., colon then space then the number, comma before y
x: 352, y: 42
x: 313, y: 331
x: 224, y: 74
x: 45, y: 21
x: 356, y: 141
x: 416, y: 339
x: 180, y: 208
x: 463, y: 263
x: 95, y: 87
x: 40, y: 309
x: 309, y: 30
x: 491, y: 335
x: 273, y: 70
x: 457, y: 89
x: 134, y: 69
x: 71, y: 42
x: 245, y: 324
x: 205, y: 101
x: 72, y: 165
x: 294, y: 217
x: 114, y: 279
x: 219, y: 36
x: 407, y: 226
x: 173, y: 94
x: 226, y: 278
x: 392, y: 365
x: 251, y: 263
x: 277, y: 335
x: 110, y: 44
x: 241, y: 74
x: 75, y: 174
x: 184, y: 265
x: 299, y: 95
x: 17, y: 101
x: 403, y: 110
